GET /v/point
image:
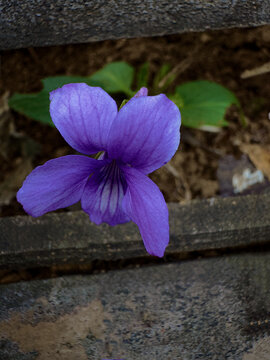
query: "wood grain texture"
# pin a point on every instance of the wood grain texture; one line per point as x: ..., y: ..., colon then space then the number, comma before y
x: 27, y: 23
x: 215, y: 308
x: 60, y: 238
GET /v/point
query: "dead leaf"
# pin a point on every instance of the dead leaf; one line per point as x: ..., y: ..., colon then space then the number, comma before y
x: 259, y: 155
x: 239, y: 176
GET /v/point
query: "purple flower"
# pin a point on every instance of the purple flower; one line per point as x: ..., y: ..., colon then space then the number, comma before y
x: 135, y: 141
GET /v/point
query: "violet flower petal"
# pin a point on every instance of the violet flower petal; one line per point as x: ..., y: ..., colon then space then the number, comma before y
x: 142, y: 92
x: 83, y: 115
x: 103, y: 195
x: 145, y: 205
x: 56, y: 184
x: 145, y: 133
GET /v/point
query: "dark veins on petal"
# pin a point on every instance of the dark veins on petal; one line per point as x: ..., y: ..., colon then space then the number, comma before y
x: 104, y: 193
x: 113, y: 188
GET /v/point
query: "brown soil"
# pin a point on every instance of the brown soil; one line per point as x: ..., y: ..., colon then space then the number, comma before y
x: 220, y: 56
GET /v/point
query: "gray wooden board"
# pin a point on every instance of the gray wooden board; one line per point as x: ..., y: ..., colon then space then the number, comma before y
x: 216, y: 308
x: 71, y: 238
x: 27, y: 23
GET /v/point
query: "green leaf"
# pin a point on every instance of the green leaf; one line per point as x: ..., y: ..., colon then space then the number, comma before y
x: 143, y: 76
x: 35, y: 106
x: 55, y: 82
x: 203, y: 104
x: 115, y: 77
x: 177, y: 99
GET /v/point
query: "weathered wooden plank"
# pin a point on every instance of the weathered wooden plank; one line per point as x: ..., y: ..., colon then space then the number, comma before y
x: 27, y: 23
x: 71, y: 238
x: 215, y: 308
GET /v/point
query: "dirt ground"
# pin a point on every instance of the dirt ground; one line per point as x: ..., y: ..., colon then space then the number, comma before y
x: 221, y: 56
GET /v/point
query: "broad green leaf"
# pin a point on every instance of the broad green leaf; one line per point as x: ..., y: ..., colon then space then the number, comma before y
x: 203, y: 104
x: 115, y: 77
x: 177, y: 99
x: 54, y: 82
x: 143, y: 76
x: 35, y: 106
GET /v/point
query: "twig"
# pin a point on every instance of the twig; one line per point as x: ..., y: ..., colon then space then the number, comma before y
x: 179, y: 68
x: 263, y: 69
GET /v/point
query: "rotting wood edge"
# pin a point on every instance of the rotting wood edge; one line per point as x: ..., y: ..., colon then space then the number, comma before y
x: 62, y: 238
x: 30, y: 23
